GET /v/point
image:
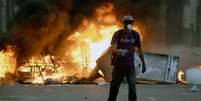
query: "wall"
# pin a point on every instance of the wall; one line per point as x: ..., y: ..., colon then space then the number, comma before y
x: 7, y: 9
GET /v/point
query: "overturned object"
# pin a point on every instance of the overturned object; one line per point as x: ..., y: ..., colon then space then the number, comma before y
x: 162, y: 68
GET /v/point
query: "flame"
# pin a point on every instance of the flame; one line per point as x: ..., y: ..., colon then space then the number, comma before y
x: 43, y: 68
x: 181, y: 76
x: 93, y: 37
x: 89, y: 42
x: 7, y: 61
x: 48, y: 67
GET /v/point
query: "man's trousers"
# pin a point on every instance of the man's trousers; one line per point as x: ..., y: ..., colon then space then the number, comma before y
x: 118, y: 74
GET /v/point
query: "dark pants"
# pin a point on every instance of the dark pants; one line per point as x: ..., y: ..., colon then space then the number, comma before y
x: 118, y: 75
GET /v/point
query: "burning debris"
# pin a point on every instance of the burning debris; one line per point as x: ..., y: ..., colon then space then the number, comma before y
x: 181, y: 77
x: 45, y: 52
x: 7, y: 61
x: 62, y: 41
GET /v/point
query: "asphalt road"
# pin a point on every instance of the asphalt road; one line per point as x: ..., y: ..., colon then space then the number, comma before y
x: 95, y: 93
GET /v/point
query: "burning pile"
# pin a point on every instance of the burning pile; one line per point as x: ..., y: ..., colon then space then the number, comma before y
x: 7, y: 61
x: 93, y: 36
x: 60, y: 40
x: 44, y: 50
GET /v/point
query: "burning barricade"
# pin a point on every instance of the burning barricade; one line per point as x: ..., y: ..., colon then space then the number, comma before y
x: 46, y: 53
x: 72, y: 54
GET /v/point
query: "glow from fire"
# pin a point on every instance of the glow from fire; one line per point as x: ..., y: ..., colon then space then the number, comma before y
x: 91, y: 47
x: 43, y: 68
x: 7, y: 61
x: 94, y: 36
x: 91, y: 39
x: 181, y: 76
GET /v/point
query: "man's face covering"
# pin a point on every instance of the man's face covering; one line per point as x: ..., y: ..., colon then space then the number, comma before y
x: 128, y: 25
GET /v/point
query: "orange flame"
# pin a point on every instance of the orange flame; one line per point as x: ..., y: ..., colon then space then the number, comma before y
x: 181, y: 74
x: 7, y: 61
x: 90, y: 40
x: 94, y: 35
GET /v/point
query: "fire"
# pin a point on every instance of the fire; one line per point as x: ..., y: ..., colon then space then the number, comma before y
x: 92, y: 42
x: 94, y: 35
x: 45, y: 68
x: 181, y: 76
x: 88, y: 43
x: 7, y: 61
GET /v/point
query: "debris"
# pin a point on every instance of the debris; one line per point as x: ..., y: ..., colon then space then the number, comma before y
x: 160, y: 67
x: 195, y: 88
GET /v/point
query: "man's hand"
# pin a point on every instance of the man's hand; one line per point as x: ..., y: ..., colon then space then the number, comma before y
x: 141, y: 54
x: 143, y: 68
x: 122, y: 52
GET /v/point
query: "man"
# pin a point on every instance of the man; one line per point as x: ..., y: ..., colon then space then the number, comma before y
x: 124, y: 43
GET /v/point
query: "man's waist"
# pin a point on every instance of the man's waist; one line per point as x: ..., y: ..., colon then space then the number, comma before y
x: 128, y: 51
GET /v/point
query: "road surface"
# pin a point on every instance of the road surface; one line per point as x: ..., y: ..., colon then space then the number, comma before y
x: 146, y: 92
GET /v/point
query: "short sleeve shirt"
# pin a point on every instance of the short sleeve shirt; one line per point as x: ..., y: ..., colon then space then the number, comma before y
x: 128, y: 41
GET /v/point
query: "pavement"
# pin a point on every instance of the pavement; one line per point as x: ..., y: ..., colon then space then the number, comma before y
x: 146, y: 92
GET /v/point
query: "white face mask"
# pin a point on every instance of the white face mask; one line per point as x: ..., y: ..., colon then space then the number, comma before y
x: 129, y: 27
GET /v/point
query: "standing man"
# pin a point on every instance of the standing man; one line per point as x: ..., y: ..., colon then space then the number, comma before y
x: 124, y: 44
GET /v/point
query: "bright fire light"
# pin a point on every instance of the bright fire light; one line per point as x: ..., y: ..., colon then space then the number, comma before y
x: 7, y: 61
x: 181, y: 75
x: 89, y: 42
x: 95, y: 36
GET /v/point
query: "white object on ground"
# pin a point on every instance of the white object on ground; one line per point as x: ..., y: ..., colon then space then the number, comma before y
x: 195, y: 88
x: 193, y: 76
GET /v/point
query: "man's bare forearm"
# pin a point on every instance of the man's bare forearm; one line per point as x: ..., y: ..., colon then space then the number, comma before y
x: 114, y: 48
x: 141, y: 54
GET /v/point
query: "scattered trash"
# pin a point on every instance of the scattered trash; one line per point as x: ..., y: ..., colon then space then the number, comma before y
x: 195, y: 88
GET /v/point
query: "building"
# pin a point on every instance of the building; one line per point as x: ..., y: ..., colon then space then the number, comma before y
x: 179, y: 21
x: 7, y: 9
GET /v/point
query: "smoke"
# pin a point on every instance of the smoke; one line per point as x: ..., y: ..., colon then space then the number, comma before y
x: 37, y: 24
x: 41, y: 26
x: 146, y: 14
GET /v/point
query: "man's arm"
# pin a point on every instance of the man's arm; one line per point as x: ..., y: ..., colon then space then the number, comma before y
x: 114, y: 42
x: 141, y: 54
x: 114, y: 49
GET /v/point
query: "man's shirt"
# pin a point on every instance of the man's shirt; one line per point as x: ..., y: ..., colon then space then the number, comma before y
x: 126, y: 40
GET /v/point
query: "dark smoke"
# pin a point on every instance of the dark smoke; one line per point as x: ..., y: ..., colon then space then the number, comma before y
x: 33, y: 28
x: 40, y: 26
x: 146, y: 14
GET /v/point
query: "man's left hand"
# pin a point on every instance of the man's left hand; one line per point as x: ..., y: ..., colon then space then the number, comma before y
x: 143, y: 68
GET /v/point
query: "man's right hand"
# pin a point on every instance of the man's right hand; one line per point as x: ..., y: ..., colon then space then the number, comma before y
x: 122, y: 52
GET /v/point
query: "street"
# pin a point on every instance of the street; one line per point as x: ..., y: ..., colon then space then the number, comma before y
x: 146, y: 92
